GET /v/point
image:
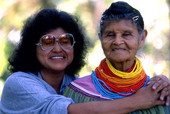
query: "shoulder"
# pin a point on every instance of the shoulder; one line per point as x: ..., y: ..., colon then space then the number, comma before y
x: 21, y: 84
x: 28, y: 92
x: 18, y: 81
x: 86, y: 79
x: 83, y: 90
x: 20, y: 74
x: 85, y: 84
x: 16, y: 88
x: 20, y: 78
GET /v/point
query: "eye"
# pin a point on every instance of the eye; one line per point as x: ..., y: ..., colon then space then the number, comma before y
x: 65, y: 40
x: 127, y: 34
x: 48, y: 40
x: 110, y: 35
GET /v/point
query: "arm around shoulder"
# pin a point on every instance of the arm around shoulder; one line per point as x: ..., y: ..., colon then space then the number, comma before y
x: 119, y: 106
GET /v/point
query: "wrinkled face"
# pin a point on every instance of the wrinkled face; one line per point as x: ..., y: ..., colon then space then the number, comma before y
x: 56, y: 59
x: 121, y: 40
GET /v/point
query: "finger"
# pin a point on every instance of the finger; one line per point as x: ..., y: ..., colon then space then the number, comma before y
x: 154, y: 79
x: 167, y: 100
x: 160, y: 82
x: 163, y: 77
x: 164, y: 93
x: 160, y: 85
x: 168, y: 97
x: 157, y: 85
x: 150, y: 85
x: 158, y: 77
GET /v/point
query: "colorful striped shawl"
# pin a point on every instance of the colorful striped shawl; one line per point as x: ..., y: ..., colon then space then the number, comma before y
x: 83, y: 90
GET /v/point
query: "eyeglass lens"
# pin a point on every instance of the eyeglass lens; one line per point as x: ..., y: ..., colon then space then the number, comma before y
x: 64, y: 40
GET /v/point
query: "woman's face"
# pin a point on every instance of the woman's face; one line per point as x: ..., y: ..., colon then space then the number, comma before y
x: 56, y: 59
x: 121, y: 40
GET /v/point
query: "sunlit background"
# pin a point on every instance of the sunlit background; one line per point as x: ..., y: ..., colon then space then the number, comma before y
x: 155, y: 55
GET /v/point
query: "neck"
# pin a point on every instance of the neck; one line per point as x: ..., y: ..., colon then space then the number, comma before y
x: 53, y: 78
x: 123, y: 66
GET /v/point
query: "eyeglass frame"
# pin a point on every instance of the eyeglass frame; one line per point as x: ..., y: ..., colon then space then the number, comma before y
x: 56, y: 40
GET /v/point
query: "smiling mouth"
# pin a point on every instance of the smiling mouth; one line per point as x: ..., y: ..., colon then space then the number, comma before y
x: 57, y: 57
x: 118, y: 49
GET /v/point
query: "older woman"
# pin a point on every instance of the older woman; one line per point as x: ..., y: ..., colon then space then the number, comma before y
x: 121, y: 73
x: 50, y: 54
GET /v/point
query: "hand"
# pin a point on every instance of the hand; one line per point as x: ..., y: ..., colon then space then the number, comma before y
x: 161, y: 84
x: 146, y: 97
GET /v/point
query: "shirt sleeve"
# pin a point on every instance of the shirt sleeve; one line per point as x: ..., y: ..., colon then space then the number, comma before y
x: 25, y: 94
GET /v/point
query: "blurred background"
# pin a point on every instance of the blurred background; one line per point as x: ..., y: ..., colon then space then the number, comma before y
x: 155, y: 55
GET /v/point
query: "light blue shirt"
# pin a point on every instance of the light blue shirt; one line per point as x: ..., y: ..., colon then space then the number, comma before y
x: 27, y: 93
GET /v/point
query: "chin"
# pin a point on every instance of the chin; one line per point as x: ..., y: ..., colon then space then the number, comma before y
x: 59, y: 68
x: 118, y: 60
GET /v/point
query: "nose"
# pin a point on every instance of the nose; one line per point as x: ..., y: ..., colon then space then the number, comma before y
x: 118, y: 40
x: 57, y: 47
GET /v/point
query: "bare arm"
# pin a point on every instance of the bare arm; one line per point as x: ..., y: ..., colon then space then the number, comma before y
x: 144, y: 98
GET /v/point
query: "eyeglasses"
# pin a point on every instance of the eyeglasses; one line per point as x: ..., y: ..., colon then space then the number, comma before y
x: 65, y: 41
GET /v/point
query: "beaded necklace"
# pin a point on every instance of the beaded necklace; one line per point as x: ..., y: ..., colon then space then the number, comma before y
x: 122, y: 85
x: 135, y: 71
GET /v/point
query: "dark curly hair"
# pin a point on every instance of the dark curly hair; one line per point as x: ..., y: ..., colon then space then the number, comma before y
x: 24, y: 57
x: 121, y: 10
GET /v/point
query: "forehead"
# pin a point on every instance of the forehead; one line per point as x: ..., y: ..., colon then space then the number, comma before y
x: 57, y: 31
x: 122, y: 24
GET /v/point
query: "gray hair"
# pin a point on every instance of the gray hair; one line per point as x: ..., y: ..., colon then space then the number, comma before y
x: 118, y: 11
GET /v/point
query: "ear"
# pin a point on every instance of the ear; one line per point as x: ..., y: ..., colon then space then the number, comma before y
x: 142, y: 40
